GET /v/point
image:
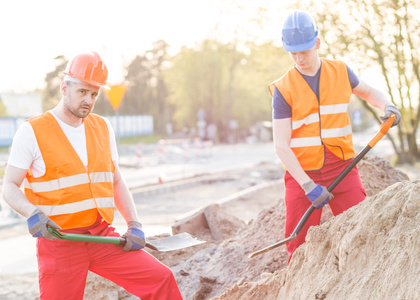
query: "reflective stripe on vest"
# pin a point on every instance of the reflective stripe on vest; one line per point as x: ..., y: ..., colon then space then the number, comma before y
x: 72, y: 208
x: 318, y: 124
x: 68, y: 193
x: 56, y: 184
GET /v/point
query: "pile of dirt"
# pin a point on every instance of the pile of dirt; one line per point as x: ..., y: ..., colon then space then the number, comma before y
x: 210, y: 272
x: 371, y: 251
x: 377, y: 174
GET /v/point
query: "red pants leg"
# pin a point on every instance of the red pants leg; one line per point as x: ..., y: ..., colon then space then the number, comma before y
x: 63, y: 267
x: 138, y: 272
x: 347, y: 193
x: 297, y: 204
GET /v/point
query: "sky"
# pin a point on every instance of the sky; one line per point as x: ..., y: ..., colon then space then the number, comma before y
x: 33, y: 33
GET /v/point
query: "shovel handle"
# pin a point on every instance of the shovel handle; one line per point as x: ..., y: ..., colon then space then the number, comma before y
x: 86, y: 237
x: 385, y: 126
x: 92, y: 238
x: 382, y: 131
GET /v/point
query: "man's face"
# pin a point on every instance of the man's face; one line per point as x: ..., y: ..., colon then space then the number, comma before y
x: 306, y: 60
x: 79, y: 98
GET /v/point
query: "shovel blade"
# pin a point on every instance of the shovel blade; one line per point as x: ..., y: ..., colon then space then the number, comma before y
x: 174, y: 242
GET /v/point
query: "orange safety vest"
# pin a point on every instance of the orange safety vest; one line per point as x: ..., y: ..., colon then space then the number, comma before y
x: 67, y: 193
x: 318, y: 124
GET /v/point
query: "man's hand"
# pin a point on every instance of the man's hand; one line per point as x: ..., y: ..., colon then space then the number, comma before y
x: 391, y: 109
x: 317, y: 194
x: 38, y: 223
x: 135, y: 239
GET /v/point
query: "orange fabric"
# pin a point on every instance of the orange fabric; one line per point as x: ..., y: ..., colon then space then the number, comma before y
x: 62, y: 162
x: 319, y: 117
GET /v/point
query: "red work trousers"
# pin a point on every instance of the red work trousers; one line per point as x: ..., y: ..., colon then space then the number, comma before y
x: 347, y: 193
x: 63, y: 267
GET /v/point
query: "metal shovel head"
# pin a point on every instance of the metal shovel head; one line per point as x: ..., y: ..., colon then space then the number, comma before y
x: 174, y: 242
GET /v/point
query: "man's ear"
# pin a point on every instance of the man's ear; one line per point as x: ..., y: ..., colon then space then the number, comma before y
x: 64, y: 88
x: 318, y: 43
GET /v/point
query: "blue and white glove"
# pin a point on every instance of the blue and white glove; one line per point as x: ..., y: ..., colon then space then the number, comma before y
x: 317, y: 194
x: 391, y: 109
x: 38, y: 224
x: 134, y: 237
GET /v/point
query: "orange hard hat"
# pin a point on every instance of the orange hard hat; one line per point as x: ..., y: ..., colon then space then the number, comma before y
x: 88, y: 67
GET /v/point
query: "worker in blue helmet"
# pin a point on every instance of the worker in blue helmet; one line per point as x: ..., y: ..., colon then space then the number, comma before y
x: 311, y: 128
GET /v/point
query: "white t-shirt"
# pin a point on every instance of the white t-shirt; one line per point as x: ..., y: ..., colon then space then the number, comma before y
x: 25, y: 153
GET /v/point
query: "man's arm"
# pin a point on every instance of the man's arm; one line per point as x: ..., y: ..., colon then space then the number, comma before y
x: 282, y: 132
x: 377, y: 99
x: 123, y: 199
x: 373, y: 96
x: 134, y: 237
x: 12, y: 193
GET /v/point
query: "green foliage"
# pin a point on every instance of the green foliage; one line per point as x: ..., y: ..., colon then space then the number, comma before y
x: 226, y: 83
x: 263, y: 65
x: 147, y: 92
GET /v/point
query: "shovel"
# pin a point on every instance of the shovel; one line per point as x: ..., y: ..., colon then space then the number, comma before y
x: 382, y: 131
x: 173, y: 242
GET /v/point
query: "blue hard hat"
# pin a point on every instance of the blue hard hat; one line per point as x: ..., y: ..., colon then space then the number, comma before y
x: 299, y: 32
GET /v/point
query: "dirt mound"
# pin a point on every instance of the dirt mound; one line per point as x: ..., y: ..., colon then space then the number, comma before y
x: 371, y: 251
x: 377, y: 174
x: 211, y: 271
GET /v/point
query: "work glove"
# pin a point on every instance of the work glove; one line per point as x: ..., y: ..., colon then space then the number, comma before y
x: 317, y: 194
x: 391, y: 109
x: 134, y: 237
x: 38, y: 224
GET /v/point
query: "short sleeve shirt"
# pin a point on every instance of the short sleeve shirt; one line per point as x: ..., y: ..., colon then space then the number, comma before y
x: 25, y: 152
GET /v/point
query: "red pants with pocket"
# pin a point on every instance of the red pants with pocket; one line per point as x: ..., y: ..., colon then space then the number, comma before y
x: 347, y: 193
x: 63, y: 268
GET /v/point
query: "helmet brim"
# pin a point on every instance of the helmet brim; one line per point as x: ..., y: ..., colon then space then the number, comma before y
x: 68, y: 77
x: 300, y: 47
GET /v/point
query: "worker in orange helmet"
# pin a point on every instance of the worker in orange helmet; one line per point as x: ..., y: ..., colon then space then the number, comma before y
x: 311, y: 128
x: 67, y: 158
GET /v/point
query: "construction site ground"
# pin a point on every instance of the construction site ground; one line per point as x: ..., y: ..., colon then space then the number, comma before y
x: 369, y: 252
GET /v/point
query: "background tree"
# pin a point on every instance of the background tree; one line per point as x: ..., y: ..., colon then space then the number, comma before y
x: 264, y: 64
x: 51, y: 94
x: 380, y: 35
x: 226, y: 83
x: 147, y: 92
x: 199, y: 79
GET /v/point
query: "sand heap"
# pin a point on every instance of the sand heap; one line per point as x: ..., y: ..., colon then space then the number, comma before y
x: 372, y: 251
x: 368, y: 252
x: 211, y: 271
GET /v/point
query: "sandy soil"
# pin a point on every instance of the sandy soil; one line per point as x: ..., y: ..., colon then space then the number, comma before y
x: 369, y: 252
